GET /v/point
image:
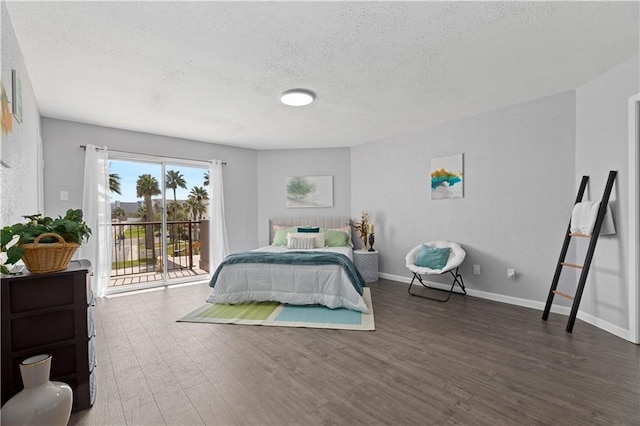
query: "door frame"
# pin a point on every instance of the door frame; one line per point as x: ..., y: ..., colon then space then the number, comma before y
x: 634, y: 218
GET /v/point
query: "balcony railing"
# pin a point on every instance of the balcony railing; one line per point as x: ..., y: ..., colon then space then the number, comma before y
x: 137, y: 251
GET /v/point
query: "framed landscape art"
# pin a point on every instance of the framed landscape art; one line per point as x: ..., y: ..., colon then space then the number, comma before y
x: 309, y: 191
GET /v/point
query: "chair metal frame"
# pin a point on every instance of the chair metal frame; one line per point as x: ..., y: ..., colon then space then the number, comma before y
x: 457, y: 279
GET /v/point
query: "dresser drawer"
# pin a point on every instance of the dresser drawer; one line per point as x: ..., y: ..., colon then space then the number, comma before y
x: 52, y: 291
x: 44, y: 329
x: 63, y: 363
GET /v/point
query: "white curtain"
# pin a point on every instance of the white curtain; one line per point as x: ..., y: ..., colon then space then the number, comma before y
x: 219, y: 246
x: 97, y: 214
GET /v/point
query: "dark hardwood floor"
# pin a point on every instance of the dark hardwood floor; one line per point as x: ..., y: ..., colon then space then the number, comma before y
x: 469, y: 361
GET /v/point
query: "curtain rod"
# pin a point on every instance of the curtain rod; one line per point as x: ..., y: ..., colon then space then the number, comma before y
x: 224, y: 163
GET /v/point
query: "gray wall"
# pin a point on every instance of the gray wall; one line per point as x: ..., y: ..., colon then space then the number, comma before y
x: 276, y: 165
x: 518, y: 193
x: 64, y: 168
x: 602, y: 145
x: 19, y: 149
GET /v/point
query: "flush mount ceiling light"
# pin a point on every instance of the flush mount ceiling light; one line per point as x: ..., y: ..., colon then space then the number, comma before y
x: 297, y: 97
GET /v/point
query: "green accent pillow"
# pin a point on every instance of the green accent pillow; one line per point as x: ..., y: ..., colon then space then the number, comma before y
x: 336, y: 239
x: 432, y: 257
x: 280, y: 237
x: 309, y: 230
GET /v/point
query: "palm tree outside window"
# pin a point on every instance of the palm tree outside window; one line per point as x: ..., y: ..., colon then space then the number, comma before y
x: 146, y: 187
x: 173, y: 181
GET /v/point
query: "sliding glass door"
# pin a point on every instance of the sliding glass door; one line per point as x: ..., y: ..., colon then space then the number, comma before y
x: 158, y: 208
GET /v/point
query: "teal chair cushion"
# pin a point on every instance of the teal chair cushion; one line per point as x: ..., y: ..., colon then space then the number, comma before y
x: 432, y: 257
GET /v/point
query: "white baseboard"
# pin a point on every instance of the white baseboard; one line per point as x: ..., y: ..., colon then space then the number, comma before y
x: 527, y: 303
x: 607, y: 326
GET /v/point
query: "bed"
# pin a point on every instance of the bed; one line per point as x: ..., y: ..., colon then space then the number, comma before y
x: 291, y: 271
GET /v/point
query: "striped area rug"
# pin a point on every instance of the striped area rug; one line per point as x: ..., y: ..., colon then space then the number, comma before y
x: 283, y: 315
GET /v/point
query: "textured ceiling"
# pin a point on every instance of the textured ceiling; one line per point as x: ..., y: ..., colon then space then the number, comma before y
x: 214, y: 71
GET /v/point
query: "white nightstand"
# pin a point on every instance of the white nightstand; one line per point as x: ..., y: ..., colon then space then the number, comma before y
x: 367, y: 264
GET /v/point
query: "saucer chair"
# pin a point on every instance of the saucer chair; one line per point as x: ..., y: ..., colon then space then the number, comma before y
x: 436, y: 258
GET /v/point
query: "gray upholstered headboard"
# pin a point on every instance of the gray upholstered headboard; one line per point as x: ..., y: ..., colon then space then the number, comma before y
x: 325, y: 222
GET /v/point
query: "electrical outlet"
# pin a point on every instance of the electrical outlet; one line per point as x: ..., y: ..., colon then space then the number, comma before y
x: 476, y: 269
x: 511, y: 274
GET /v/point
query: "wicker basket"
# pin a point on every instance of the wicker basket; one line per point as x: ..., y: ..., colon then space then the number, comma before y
x: 49, y: 257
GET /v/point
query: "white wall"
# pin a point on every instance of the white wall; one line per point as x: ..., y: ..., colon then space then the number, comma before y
x: 276, y: 165
x: 602, y: 145
x: 19, y: 183
x: 64, y: 168
x: 518, y: 194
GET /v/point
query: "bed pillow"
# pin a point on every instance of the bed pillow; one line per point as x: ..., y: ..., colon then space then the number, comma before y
x: 318, y: 238
x: 346, y: 230
x: 301, y: 243
x: 309, y: 230
x: 280, y: 235
x: 336, y: 238
x: 432, y: 257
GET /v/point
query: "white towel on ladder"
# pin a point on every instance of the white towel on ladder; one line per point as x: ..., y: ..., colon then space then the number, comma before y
x: 583, y: 219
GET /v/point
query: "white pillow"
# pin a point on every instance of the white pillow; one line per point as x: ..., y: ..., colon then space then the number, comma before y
x: 303, y: 243
x: 317, y: 238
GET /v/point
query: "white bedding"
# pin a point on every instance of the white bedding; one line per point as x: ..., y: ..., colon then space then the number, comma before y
x: 347, y: 251
x: 326, y: 285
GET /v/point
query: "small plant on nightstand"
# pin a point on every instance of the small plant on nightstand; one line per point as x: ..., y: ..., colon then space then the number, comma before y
x: 363, y: 228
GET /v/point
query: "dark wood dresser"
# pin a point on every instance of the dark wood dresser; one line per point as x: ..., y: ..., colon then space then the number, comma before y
x: 50, y: 314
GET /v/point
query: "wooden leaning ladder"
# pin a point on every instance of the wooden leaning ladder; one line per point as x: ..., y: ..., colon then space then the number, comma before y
x: 589, y: 256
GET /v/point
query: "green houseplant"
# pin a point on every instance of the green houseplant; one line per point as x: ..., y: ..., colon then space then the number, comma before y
x: 53, y: 237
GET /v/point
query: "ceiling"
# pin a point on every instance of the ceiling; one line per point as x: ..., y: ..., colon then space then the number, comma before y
x: 214, y: 71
